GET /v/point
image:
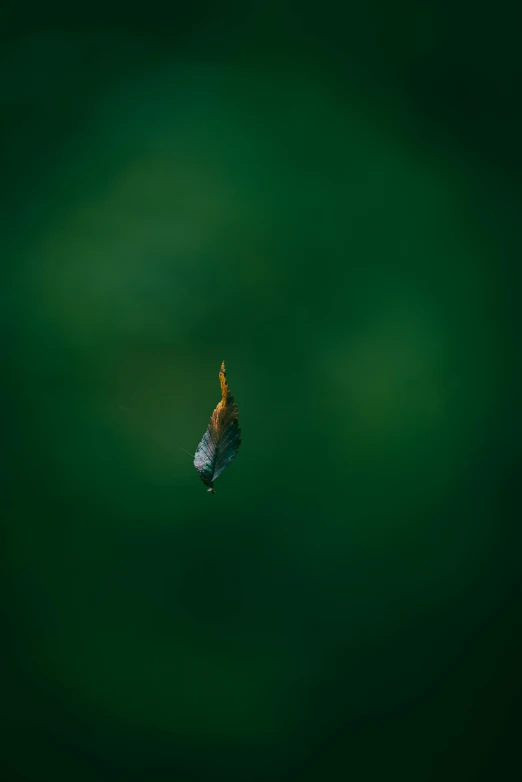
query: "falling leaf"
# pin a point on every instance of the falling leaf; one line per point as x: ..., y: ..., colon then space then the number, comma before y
x: 222, y: 439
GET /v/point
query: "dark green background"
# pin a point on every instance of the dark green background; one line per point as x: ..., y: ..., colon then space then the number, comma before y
x: 329, y: 201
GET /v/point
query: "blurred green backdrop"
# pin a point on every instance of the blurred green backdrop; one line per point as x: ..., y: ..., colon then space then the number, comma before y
x: 330, y: 201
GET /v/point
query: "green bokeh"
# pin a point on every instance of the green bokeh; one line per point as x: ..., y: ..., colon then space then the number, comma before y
x: 336, y: 217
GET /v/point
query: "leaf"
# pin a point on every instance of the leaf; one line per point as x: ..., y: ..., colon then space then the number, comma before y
x: 222, y: 439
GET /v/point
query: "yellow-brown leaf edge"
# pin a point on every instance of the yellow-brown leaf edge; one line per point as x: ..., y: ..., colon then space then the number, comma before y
x: 221, y: 441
